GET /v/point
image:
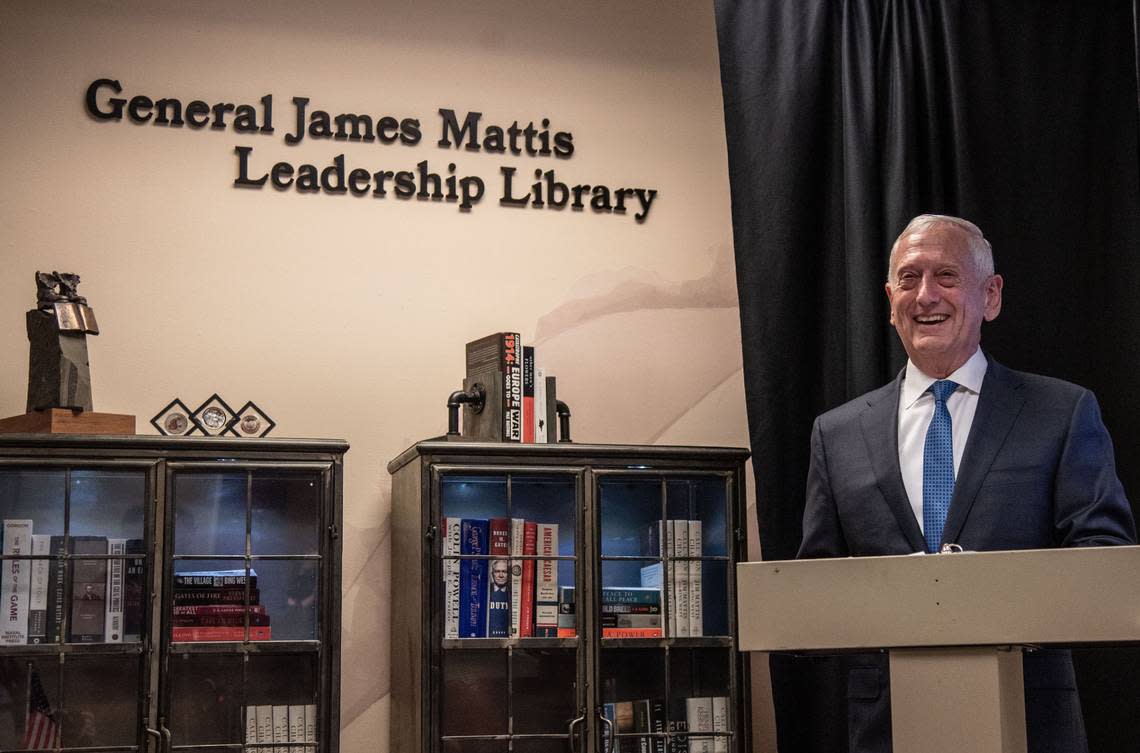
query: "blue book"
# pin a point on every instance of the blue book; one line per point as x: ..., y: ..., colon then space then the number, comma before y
x: 499, y: 579
x: 473, y: 578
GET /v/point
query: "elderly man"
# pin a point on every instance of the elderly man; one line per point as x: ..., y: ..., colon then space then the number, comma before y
x: 959, y: 449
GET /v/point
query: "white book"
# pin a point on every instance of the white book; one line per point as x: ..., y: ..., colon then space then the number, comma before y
x: 540, y: 427
x: 720, y: 722
x: 281, y: 728
x: 681, y: 576
x: 37, y: 596
x: 113, y: 624
x: 671, y: 572
x: 546, y: 582
x: 696, y: 607
x: 264, y: 716
x: 451, y: 537
x: 311, y: 725
x: 518, y: 527
x: 15, y: 583
x: 296, y: 727
x: 699, y: 716
x: 251, y: 724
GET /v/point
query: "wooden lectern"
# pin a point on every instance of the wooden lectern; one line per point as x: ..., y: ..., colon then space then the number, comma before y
x: 955, y: 625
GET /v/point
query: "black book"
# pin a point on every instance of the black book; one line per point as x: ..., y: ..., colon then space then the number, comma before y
x: 134, y: 591
x: 88, y: 590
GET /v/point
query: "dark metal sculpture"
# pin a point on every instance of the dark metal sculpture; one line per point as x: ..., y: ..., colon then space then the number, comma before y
x: 59, y: 375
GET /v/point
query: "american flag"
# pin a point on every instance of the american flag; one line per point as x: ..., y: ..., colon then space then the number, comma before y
x: 40, y: 730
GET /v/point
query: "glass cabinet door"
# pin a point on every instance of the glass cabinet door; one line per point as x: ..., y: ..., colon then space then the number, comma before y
x: 75, y: 576
x: 509, y: 665
x: 247, y: 569
x: 667, y: 664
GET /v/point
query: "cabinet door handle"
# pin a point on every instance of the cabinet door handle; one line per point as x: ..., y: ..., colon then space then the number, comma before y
x: 609, y: 723
x: 574, y: 723
x: 166, y: 739
x: 157, y: 737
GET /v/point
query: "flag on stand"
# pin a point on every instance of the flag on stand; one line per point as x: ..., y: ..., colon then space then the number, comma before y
x: 40, y: 730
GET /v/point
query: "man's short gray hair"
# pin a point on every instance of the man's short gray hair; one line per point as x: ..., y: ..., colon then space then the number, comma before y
x: 980, y: 249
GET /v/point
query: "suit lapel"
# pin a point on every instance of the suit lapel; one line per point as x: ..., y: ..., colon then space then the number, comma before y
x: 999, y: 404
x: 880, y: 434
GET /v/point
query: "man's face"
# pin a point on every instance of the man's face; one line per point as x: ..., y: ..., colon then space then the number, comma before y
x: 500, y: 572
x: 939, y: 299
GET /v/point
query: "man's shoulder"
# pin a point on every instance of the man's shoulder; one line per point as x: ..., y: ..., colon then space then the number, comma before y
x: 880, y: 397
x: 1035, y: 385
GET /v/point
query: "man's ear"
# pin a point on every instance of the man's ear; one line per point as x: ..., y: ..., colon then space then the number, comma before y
x: 890, y: 308
x: 993, y: 297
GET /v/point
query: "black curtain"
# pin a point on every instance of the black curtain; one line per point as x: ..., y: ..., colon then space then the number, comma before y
x: 844, y: 119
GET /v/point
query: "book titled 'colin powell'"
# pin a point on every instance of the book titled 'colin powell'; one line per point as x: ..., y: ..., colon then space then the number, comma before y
x: 495, y: 363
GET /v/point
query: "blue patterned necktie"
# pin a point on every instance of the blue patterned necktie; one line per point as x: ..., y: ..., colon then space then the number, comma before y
x: 937, y: 466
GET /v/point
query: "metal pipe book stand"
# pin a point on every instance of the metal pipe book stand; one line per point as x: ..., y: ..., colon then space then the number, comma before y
x: 955, y: 626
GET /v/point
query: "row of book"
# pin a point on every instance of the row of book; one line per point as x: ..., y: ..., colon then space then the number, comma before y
x: 282, y: 724
x: 500, y: 597
x: 682, y: 578
x: 529, y: 395
x: 106, y: 600
x: 626, y: 613
x: 702, y: 714
x: 210, y: 605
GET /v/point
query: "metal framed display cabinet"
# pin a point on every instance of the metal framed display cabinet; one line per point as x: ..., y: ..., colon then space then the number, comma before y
x: 125, y: 644
x: 547, y: 601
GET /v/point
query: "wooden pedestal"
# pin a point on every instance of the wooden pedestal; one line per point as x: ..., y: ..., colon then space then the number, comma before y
x: 65, y: 421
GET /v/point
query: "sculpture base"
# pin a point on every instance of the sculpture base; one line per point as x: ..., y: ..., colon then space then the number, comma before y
x: 66, y: 421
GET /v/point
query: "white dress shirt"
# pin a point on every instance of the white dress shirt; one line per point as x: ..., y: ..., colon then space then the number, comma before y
x: 916, y: 409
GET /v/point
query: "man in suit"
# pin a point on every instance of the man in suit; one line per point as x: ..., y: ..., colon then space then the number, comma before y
x: 960, y: 450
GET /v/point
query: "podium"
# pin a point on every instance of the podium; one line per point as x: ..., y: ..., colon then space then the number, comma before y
x: 955, y: 626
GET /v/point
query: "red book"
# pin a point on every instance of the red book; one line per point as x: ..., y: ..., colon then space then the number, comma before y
x: 216, y: 609
x: 616, y: 632
x: 526, y: 607
x: 219, y: 633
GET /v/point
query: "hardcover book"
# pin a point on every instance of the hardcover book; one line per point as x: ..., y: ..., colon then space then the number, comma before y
x: 528, y: 410
x: 296, y: 727
x: 113, y: 619
x: 720, y: 722
x: 15, y: 582
x: 281, y: 728
x: 134, y: 590
x: 451, y: 536
x: 696, y: 603
x: 88, y: 590
x: 495, y: 361
x: 551, y: 409
x: 57, y: 599
x: 264, y: 716
x: 310, y: 724
x: 228, y: 595
x: 518, y: 527
x: 540, y: 425
x: 530, y: 547
x: 642, y: 723
x: 698, y: 715
x: 680, y: 576
x: 499, y: 580
x: 546, y: 582
x: 214, y: 579
x: 38, y: 594
x: 219, y: 633
x: 473, y: 579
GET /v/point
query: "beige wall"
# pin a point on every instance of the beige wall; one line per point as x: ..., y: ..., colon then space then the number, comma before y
x: 346, y: 317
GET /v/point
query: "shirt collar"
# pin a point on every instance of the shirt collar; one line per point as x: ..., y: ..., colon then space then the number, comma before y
x: 968, y: 375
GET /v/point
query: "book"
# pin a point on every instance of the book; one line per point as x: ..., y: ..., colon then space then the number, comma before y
x: 696, y: 606
x: 680, y: 576
x: 518, y: 526
x: 310, y: 725
x: 215, y: 596
x: 113, y: 618
x: 528, y: 412
x: 546, y: 582
x: 280, y: 728
x: 540, y: 424
x: 526, y: 606
x: 451, y: 530
x: 642, y: 723
x: 678, y: 744
x: 251, y: 725
x: 624, y: 725
x: 551, y: 409
x: 38, y: 590
x: 219, y: 633
x: 720, y: 722
x: 219, y: 620
x: 499, y: 579
x: 135, y: 591
x: 609, y: 711
x: 473, y: 579
x: 632, y: 632
x: 614, y: 595
x: 567, y: 619
x: 657, y: 726
x: 88, y: 590
x: 296, y: 727
x: 499, y: 354
x: 658, y: 541
x: 57, y: 599
x: 698, y: 716
x: 264, y: 716
x: 213, y: 579
x: 183, y: 610
x: 15, y: 582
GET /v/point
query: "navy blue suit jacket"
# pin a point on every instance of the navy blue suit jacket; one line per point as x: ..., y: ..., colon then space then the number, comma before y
x: 1037, y: 472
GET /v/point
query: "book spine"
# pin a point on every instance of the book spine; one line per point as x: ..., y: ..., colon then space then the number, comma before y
x: 540, y: 425
x: 219, y: 620
x: 632, y: 632
x: 183, y: 610
x: 624, y: 725
x: 56, y: 597
x: 251, y: 725
x: 113, y: 620
x: 473, y: 579
x: 546, y: 582
x: 631, y: 621
x: 609, y: 742
x: 451, y: 528
x: 567, y: 619
x: 215, y: 596
x: 518, y: 525
x: 264, y: 716
x: 281, y: 728
x: 512, y: 388
x: 296, y: 727
x: 528, y: 421
x: 88, y: 590
x: 135, y: 589
x: 681, y: 575
x: 499, y: 579
x: 657, y: 725
x: 551, y: 409
x: 219, y: 633
x: 219, y: 579
x: 696, y: 603
x: 720, y: 723
x: 678, y: 744
x: 310, y: 725
x: 15, y: 582
x: 698, y: 715
x: 608, y: 608
x: 38, y: 590
x: 526, y: 607
x: 670, y: 551
x: 631, y: 595
x: 641, y: 723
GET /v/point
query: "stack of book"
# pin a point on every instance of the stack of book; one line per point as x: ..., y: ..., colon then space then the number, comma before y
x: 281, y: 724
x: 529, y: 395
x: 682, y: 577
x: 500, y: 597
x: 209, y: 605
x: 626, y: 613
x: 702, y: 714
x: 106, y: 600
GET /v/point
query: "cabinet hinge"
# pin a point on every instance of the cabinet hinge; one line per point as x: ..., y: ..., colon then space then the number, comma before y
x: 429, y: 534
x: 334, y: 532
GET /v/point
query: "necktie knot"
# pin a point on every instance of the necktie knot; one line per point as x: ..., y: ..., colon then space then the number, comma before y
x: 943, y: 389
